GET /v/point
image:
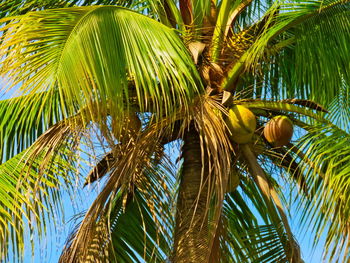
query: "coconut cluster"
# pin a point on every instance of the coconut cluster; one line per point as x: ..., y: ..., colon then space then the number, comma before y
x: 242, y: 125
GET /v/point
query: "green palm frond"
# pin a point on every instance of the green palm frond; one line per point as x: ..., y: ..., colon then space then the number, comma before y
x: 324, y: 153
x: 220, y: 27
x: 30, y: 183
x: 318, y: 164
x: 80, y: 49
x: 268, y: 244
x: 238, y: 218
x: 275, y: 208
x: 281, y: 106
x: 202, y: 11
x: 28, y: 193
x: 339, y: 109
x: 18, y: 7
x: 249, y: 235
x: 24, y: 119
x: 318, y: 159
x: 164, y: 10
x: 286, y: 20
x: 129, y: 232
x: 286, y: 161
x: 136, y: 229
x: 330, y: 28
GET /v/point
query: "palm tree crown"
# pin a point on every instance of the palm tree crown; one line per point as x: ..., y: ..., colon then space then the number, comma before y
x: 255, y: 91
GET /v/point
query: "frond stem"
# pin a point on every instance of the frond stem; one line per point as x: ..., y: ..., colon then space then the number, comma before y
x: 219, y: 30
x: 272, y: 198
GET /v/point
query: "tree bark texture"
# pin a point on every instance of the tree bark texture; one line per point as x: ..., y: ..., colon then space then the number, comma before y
x: 191, y: 240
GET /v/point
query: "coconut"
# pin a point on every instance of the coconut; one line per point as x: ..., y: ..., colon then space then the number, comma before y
x: 279, y: 131
x: 241, y: 123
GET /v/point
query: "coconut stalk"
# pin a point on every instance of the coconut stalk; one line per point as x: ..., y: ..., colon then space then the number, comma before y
x: 273, y: 202
x: 191, y: 240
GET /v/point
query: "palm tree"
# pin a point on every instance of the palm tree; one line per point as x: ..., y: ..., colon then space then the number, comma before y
x: 119, y: 80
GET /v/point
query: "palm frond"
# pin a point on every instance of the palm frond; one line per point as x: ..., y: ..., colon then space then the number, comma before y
x: 137, y: 224
x: 249, y: 235
x: 339, y: 109
x: 16, y: 7
x: 166, y: 11
x: 138, y: 173
x: 323, y: 152
x: 129, y: 232
x: 282, y: 106
x: 330, y: 28
x: 24, y: 119
x: 163, y: 10
x: 220, y: 28
x: 283, y: 159
x: 203, y: 11
x: 313, y: 18
x: 317, y: 158
x: 31, y: 182
x: 319, y: 163
x: 274, y: 206
x: 80, y: 49
x: 29, y: 193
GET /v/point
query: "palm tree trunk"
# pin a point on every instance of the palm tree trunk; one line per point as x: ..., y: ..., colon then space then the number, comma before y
x: 191, y: 241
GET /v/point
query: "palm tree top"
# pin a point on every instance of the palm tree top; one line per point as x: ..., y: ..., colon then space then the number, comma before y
x: 124, y: 78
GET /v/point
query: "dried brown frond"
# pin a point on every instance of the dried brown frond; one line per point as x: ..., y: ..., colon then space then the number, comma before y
x: 98, y: 249
x: 133, y: 166
x: 100, y: 169
x: 61, y: 138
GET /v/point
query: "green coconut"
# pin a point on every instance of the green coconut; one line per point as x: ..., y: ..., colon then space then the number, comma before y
x: 279, y: 131
x: 241, y: 123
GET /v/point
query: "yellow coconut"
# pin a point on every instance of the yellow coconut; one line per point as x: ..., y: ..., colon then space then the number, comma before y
x: 279, y: 131
x: 241, y: 123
